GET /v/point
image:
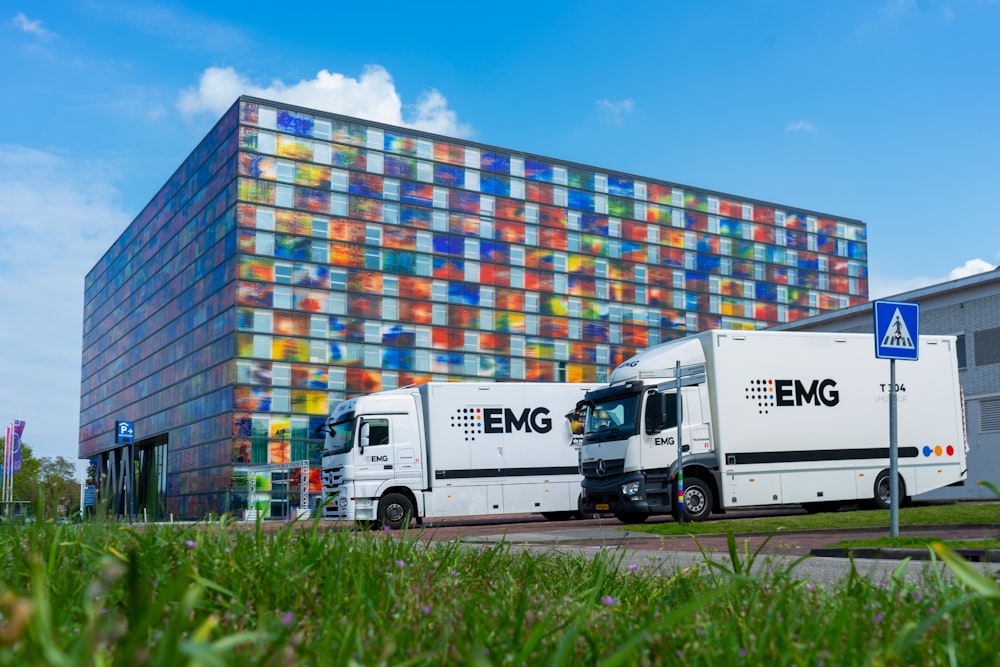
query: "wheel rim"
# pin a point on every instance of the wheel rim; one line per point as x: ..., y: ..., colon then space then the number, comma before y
x: 884, y: 491
x: 694, y: 501
x: 395, y: 512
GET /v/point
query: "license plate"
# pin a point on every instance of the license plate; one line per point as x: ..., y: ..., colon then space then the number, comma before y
x: 602, y: 507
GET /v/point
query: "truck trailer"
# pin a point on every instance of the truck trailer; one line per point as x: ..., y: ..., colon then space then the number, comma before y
x: 451, y: 449
x: 769, y: 418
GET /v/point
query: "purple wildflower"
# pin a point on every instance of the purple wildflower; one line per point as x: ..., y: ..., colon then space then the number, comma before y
x: 878, y: 618
x: 607, y: 600
x: 191, y: 544
x: 400, y: 563
x: 288, y: 618
x: 426, y: 610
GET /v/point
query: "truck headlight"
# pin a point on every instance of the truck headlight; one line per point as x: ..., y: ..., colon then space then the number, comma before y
x: 631, y: 489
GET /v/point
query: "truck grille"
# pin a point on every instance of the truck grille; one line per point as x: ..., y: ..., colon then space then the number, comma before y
x: 332, y: 479
x: 611, y: 468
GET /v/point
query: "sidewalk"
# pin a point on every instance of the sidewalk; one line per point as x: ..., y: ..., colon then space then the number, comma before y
x: 786, y: 543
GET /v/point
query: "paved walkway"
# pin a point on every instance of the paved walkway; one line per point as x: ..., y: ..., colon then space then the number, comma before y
x: 790, y: 543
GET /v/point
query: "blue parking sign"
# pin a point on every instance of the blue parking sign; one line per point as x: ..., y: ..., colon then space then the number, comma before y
x: 124, y: 433
x: 896, y: 330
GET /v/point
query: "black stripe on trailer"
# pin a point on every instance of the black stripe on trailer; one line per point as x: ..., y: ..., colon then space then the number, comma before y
x: 814, y: 455
x: 470, y: 473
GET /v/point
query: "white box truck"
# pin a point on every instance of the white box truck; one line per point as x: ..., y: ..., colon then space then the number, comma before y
x: 770, y: 418
x: 448, y: 449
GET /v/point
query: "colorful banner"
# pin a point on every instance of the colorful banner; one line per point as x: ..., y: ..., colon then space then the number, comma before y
x: 17, y: 429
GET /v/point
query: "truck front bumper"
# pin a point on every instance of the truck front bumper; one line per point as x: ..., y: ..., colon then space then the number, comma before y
x: 625, y: 494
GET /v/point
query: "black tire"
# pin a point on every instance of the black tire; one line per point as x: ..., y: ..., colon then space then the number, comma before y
x: 578, y: 514
x: 631, y: 517
x: 881, y: 495
x: 394, y: 511
x: 558, y: 516
x: 822, y: 506
x: 697, y: 500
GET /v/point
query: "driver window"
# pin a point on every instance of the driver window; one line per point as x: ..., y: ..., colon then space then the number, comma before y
x: 378, y: 432
x: 661, y: 412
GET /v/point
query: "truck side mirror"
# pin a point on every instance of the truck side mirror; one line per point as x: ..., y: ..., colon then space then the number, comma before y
x: 364, y: 436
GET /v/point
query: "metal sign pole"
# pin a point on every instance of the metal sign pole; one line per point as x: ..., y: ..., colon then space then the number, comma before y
x: 680, y: 449
x: 893, y: 455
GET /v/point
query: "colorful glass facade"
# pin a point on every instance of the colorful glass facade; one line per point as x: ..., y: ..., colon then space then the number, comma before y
x: 297, y: 258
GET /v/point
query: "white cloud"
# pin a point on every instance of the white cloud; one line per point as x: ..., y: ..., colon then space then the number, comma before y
x: 800, y: 126
x: 24, y: 24
x: 880, y: 287
x: 58, y: 218
x: 372, y: 96
x: 971, y: 268
x: 615, y: 112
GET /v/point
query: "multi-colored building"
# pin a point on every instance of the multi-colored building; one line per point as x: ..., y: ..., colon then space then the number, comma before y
x: 299, y: 257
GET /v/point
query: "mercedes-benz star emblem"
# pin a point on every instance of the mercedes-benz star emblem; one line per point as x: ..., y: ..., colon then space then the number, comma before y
x: 601, y: 468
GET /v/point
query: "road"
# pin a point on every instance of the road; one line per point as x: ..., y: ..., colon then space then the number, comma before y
x: 589, y: 537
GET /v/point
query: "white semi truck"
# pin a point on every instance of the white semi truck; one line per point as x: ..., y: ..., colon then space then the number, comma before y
x: 449, y: 449
x: 769, y: 418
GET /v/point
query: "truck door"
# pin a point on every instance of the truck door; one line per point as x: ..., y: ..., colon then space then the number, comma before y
x: 660, y: 427
x: 374, y: 456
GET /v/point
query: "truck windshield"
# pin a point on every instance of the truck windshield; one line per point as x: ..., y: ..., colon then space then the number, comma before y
x: 612, y: 419
x: 339, y: 437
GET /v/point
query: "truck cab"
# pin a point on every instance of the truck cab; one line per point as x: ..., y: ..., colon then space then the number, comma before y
x: 373, y: 451
x: 630, y: 450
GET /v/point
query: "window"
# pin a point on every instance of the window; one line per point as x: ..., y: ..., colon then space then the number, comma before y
x: 281, y: 374
x: 265, y: 218
x: 285, y: 196
x: 262, y: 346
x: 283, y: 273
x: 986, y: 344
x: 262, y: 321
x: 390, y: 189
x: 338, y: 180
x: 378, y: 432
x: 283, y: 297
x: 280, y: 400
x: 318, y: 326
x: 516, y: 188
x: 374, y: 163
x: 285, y: 171
x: 319, y: 252
x: 264, y: 243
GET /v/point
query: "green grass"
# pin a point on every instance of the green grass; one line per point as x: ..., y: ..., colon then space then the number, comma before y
x: 919, y: 543
x: 220, y: 594
x: 965, y: 513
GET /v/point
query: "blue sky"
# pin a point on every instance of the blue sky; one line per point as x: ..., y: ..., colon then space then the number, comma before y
x: 883, y: 111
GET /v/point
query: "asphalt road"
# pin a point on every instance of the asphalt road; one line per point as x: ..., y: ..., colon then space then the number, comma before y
x: 589, y: 537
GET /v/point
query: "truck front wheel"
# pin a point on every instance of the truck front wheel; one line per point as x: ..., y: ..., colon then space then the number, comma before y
x: 697, y: 500
x: 394, y: 511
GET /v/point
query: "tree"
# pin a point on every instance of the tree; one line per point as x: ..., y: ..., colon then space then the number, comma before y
x: 53, y: 481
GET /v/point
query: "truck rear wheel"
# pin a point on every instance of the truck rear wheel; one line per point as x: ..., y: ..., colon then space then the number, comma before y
x: 882, y: 499
x: 697, y: 500
x: 394, y: 511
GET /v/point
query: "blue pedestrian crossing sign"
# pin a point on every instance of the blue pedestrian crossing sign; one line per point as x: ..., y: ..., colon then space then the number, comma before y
x: 896, y: 325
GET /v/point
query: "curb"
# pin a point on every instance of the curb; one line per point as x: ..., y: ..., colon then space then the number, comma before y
x: 888, y: 553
